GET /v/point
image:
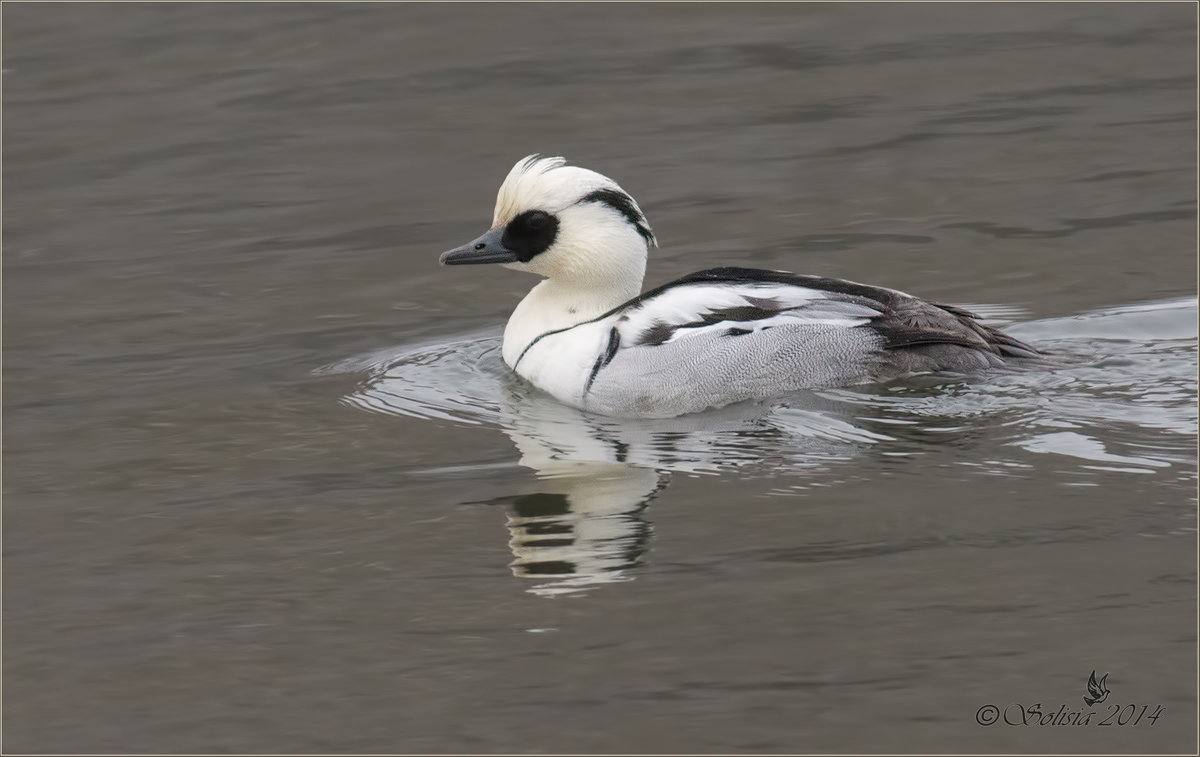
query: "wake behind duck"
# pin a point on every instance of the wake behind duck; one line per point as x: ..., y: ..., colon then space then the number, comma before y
x: 588, y: 338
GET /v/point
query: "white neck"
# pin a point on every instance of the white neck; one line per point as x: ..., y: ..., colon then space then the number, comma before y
x: 555, y: 304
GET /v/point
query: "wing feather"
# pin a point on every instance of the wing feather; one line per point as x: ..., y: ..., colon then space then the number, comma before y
x: 726, y: 334
x: 700, y: 308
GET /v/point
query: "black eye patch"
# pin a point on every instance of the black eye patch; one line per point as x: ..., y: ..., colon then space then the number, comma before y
x: 530, y: 234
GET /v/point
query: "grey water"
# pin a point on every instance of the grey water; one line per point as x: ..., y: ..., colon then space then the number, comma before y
x: 268, y: 486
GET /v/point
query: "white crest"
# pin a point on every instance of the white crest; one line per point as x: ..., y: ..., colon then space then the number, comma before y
x: 518, y: 191
x: 549, y: 184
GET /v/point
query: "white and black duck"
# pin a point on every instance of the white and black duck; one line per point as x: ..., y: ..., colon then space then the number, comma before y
x: 586, y: 336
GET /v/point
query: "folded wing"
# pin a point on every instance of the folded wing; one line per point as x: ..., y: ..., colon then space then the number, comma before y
x: 746, y: 333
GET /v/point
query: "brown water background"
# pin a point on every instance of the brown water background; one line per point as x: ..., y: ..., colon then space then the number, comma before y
x: 212, y: 543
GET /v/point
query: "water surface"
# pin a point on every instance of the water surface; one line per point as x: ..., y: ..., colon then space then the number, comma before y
x: 269, y: 488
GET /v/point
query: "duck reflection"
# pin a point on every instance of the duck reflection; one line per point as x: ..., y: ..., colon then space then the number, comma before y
x: 592, y: 530
x: 584, y: 523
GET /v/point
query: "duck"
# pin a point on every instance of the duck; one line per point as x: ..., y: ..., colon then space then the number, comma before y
x: 591, y: 338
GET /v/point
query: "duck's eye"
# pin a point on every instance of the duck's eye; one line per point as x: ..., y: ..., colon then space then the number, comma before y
x: 530, y: 234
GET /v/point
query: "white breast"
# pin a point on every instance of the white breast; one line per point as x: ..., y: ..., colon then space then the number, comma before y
x: 560, y: 363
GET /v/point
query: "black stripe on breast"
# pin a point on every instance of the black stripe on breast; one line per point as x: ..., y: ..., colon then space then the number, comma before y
x: 614, y: 342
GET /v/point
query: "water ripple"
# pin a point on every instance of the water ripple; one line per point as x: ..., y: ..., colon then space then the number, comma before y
x: 1122, y: 400
x: 1125, y: 395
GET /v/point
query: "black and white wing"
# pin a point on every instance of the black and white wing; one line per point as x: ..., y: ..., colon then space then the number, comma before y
x: 740, y: 333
